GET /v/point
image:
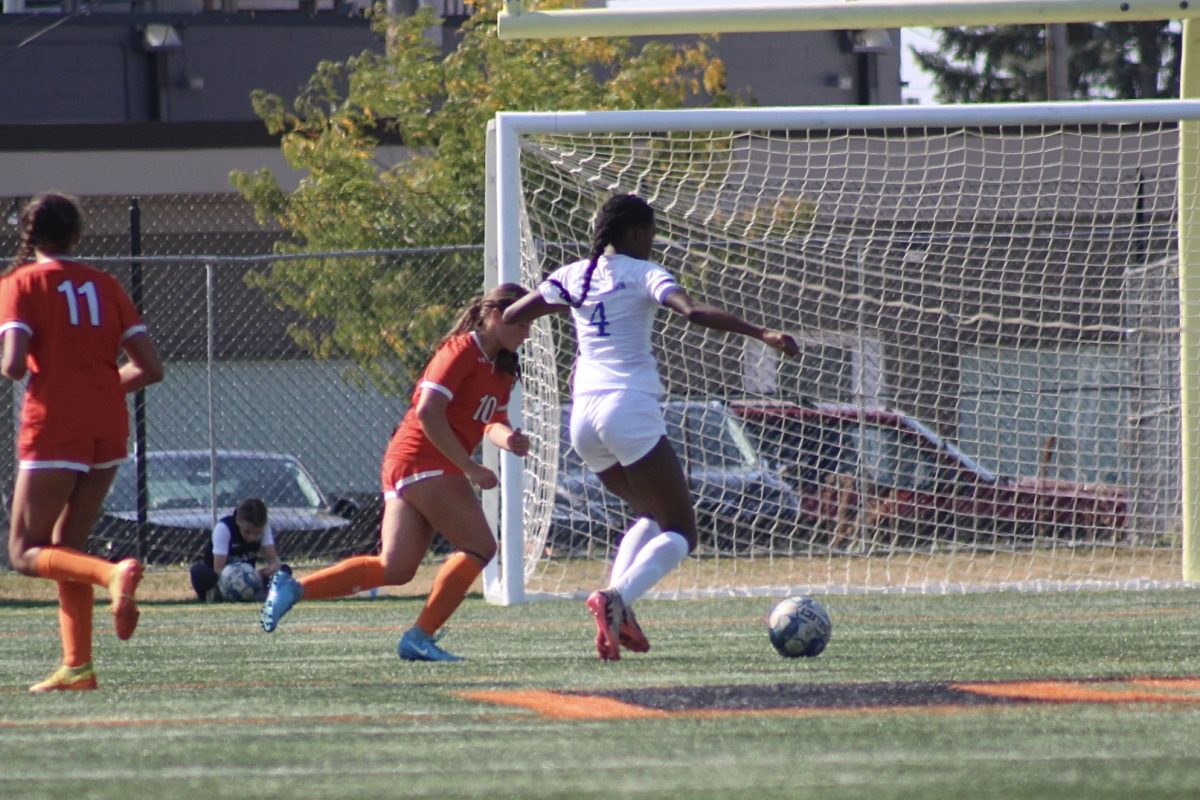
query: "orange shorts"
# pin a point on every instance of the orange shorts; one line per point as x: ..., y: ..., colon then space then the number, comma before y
x: 398, y: 473
x: 81, y: 455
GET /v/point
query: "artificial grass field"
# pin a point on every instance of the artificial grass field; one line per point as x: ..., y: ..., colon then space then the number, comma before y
x: 202, y: 704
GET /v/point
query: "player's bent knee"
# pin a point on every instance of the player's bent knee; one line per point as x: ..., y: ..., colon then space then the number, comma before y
x: 691, y: 542
x: 398, y: 576
x: 484, y: 556
x: 22, y: 553
x: 685, y: 527
x: 22, y: 560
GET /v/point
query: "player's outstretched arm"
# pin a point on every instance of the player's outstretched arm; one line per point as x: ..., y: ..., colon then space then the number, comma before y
x: 529, y: 308
x: 710, y: 316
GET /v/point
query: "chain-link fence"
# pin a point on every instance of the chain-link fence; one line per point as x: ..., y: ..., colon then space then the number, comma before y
x: 286, y: 373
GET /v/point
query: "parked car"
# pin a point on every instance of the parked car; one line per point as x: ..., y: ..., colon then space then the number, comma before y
x: 881, y: 467
x: 182, y: 490
x: 740, y: 501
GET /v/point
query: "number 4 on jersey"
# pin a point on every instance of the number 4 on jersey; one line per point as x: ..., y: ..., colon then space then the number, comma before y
x: 598, y: 320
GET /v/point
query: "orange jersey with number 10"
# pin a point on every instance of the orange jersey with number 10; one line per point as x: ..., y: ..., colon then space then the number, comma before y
x: 77, y: 317
x: 478, y: 393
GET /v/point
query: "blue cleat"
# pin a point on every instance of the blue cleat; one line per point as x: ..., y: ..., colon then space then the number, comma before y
x: 284, y: 593
x: 417, y: 645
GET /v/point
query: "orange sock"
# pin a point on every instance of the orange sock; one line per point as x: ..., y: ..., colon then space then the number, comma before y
x: 76, y: 602
x: 450, y: 588
x: 344, y: 578
x: 66, y: 564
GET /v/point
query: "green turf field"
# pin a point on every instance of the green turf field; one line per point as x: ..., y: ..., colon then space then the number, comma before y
x: 201, y: 704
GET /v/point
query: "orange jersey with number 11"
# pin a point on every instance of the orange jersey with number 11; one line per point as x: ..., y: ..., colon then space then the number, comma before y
x: 77, y: 317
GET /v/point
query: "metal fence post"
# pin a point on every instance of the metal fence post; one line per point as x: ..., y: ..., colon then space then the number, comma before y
x: 139, y: 397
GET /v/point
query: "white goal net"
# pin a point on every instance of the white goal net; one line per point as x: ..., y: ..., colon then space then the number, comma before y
x: 988, y: 393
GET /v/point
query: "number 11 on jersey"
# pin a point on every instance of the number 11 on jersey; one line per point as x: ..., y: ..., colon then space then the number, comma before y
x: 88, y: 292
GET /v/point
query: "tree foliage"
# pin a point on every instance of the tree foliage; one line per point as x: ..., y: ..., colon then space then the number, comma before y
x: 1002, y: 63
x: 377, y: 311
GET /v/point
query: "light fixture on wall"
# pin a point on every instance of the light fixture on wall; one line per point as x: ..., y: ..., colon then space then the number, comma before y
x: 159, y: 36
x: 873, y: 40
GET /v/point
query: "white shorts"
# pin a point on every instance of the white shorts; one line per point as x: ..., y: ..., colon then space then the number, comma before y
x: 616, y: 427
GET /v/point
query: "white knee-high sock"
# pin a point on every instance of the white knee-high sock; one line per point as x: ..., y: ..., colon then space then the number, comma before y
x: 640, y: 532
x: 658, y: 557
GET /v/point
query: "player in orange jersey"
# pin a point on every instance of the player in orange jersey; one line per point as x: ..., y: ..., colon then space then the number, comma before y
x: 428, y: 477
x: 64, y: 323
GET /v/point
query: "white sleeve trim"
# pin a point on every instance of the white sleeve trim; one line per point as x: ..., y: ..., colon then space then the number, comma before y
x: 551, y: 294
x: 17, y: 324
x: 663, y: 289
x: 133, y: 331
x: 437, y: 387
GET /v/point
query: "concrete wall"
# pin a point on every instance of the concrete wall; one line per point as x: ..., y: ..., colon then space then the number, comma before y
x: 808, y: 68
x: 86, y: 108
x: 95, y: 69
x: 146, y: 172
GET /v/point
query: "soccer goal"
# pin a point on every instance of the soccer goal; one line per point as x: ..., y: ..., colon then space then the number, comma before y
x: 987, y: 299
x: 997, y: 306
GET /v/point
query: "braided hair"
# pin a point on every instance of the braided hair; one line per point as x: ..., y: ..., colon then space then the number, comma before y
x: 499, y: 298
x: 620, y: 213
x: 51, y: 223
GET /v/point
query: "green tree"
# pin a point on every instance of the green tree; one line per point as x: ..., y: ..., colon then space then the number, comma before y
x: 1005, y: 63
x: 377, y: 311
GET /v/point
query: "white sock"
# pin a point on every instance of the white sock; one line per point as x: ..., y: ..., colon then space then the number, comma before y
x: 658, y: 557
x: 639, y: 533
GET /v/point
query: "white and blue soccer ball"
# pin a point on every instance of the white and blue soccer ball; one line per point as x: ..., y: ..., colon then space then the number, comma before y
x: 240, y: 582
x: 799, y: 627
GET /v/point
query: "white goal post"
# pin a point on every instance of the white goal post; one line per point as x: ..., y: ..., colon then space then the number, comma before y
x: 518, y: 22
x: 979, y: 291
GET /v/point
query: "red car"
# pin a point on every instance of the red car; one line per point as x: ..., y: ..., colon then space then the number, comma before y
x: 873, y: 471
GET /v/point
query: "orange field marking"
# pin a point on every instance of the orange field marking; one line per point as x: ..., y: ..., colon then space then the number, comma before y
x: 553, y: 705
x: 1156, y: 690
x: 565, y: 706
x: 556, y: 705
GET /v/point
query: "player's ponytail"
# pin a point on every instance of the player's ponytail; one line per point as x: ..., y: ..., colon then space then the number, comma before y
x: 467, y: 321
x: 51, y: 223
x: 499, y: 298
x: 620, y: 213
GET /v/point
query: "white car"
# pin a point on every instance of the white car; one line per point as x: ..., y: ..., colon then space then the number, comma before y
x: 184, y: 497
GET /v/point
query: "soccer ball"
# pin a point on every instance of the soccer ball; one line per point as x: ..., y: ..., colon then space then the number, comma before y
x: 240, y: 581
x: 799, y: 626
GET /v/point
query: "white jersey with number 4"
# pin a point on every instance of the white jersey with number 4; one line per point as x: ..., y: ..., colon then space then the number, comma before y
x: 614, y: 323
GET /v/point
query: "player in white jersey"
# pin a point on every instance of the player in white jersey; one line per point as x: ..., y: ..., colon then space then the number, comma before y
x: 616, y: 423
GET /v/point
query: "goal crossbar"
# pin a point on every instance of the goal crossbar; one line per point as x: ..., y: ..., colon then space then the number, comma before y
x: 514, y: 22
x: 842, y: 117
